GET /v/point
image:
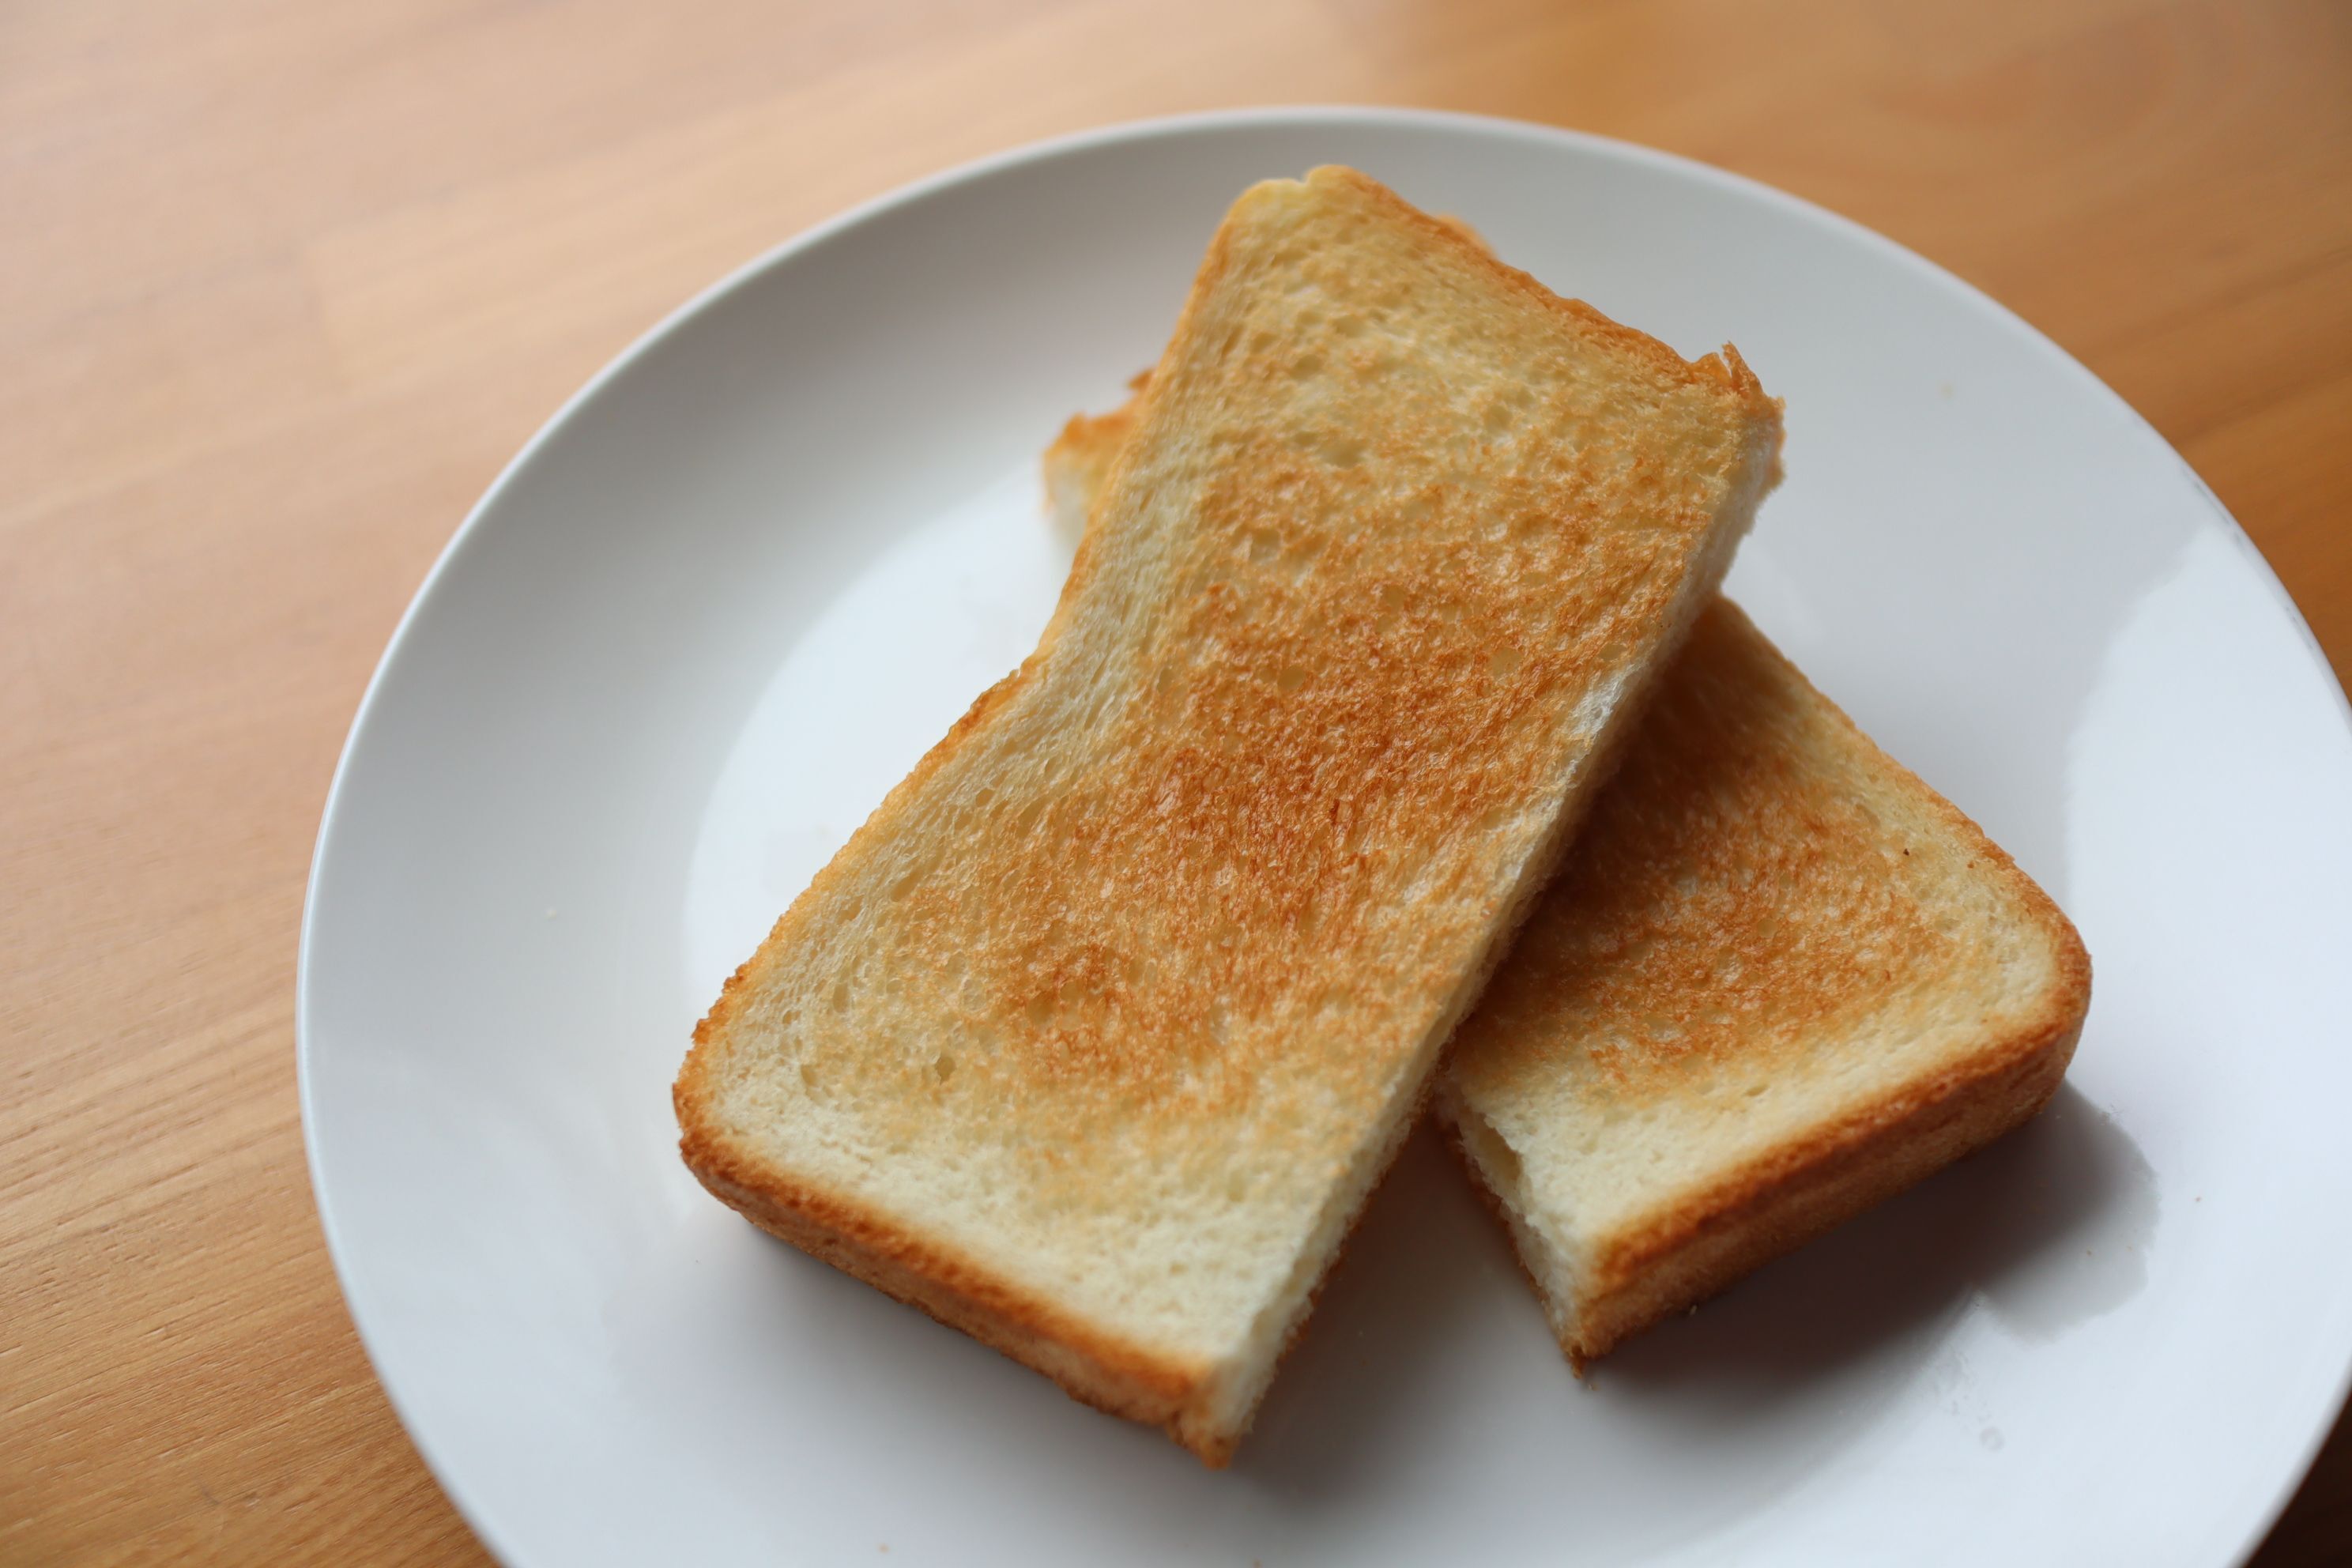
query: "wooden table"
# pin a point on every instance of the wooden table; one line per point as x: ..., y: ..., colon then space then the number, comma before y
x: 282, y: 285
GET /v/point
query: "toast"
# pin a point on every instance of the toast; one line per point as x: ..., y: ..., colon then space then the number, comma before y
x: 1777, y: 979
x: 1094, y: 1039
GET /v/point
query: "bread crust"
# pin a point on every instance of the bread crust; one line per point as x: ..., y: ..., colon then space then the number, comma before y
x: 1222, y: 796
x: 930, y: 1274
x: 1724, y: 367
x: 1702, y: 1245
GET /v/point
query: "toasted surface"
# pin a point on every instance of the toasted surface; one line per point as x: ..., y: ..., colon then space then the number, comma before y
x: 1094, y: 1037
x: 1777, y: 979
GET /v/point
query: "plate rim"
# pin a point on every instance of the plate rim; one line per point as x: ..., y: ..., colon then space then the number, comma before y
x: 1170, y: 127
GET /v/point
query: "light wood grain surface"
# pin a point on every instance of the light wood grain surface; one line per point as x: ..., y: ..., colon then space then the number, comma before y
x: 282, y: 285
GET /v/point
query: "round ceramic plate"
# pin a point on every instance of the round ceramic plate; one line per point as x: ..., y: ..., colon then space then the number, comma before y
x: 743, y: 580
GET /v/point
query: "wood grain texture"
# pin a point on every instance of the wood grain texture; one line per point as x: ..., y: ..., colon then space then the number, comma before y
x: 282, y: 285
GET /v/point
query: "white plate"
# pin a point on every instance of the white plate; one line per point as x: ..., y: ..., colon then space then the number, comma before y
x: 718, y: 606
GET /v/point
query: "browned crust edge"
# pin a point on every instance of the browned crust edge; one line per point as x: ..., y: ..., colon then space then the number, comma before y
x: 1091, y: 1367
x: 1723, y: 370
x: 1781, y: 1202
x: 1708, y: 1244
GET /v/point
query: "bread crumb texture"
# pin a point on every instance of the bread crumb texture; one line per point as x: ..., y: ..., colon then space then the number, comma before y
x: 1121, y: 999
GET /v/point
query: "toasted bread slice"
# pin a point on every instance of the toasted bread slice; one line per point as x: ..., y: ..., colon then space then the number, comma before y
x: 1094, y: 1039
x: 1777, y: 980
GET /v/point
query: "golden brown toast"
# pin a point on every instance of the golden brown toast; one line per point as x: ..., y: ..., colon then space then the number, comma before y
x: 1776, y: 980
x: 1094, y: 1039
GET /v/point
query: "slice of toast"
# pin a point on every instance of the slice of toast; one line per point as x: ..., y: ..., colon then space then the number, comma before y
x: 1094, y: 1039
x: 1776, y: 980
